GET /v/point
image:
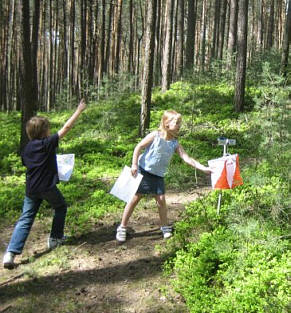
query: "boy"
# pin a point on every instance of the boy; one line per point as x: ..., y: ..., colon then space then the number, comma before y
x: 39, y: 157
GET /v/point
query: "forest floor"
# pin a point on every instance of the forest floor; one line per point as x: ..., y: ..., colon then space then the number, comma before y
x: 93, y: 273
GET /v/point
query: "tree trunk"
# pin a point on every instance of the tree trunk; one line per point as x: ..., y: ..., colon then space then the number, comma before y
x: 232, y: 38
x: 286, y: 40
x: 270, y: 32
x: 130, y: 45
x: 29, y: 96
x: 260, y: 34
x: 190, y: 40
x: 215, y: 37
x: 181, y: 38
x: 109, y: 35
x: 148, y: 68
x: 222, y: 29
x: 118, y: 37
x: 166, y: 69
x: 241, y: 56
x: 203, y: 35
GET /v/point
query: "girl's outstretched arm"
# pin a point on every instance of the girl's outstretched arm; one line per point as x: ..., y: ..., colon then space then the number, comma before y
x: 146, y: 141
x: 187, y: 159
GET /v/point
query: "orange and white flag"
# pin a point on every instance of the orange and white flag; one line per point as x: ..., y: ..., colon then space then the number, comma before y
x: 226, y: 173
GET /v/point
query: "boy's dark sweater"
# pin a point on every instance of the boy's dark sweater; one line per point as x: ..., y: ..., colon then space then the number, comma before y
x: 39, y: 157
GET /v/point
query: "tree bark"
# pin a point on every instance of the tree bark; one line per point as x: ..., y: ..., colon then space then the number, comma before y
x: 232, y: 38
x: 270, y: 32
x: 222, y: 29
x: 130, y: 45
x: 286, y: 40
x: 166, y: 68
x: 148, y: 68
x: 203, y: 35
x: 241, y: 56
x: 181, y: 38
x: 30, y: 98
x: 190, y: 40
x: 118, y: 36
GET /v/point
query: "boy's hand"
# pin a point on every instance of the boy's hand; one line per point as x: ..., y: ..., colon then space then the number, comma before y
x: 82, y: 105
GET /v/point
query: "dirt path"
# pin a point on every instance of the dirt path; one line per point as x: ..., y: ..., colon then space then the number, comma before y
x: 93, y: 273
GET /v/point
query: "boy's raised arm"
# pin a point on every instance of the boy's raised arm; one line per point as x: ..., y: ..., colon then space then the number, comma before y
x: 70, y: 122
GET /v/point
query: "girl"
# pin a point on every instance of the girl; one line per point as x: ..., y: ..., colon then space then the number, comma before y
x: 152, y: 164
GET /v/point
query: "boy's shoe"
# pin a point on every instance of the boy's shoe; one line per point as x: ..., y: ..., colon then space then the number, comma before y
x: 167, y: 231
x: 8, y: 260
x: 121, y: 234
x: 52, y: 243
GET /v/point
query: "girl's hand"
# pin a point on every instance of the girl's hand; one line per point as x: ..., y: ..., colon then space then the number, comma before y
x: 208, y: 170
x: 133, y: 170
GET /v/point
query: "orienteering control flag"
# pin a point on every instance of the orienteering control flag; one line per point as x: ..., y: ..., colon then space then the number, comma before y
x: 226, y: 173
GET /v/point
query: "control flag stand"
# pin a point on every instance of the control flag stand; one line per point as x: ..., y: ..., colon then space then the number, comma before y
x: 225, y: 142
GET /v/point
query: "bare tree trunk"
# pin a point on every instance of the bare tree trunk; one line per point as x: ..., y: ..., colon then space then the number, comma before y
x: 232, y: 30
x: 286, y: 40
x: 158, y: 45
x: 270, y: 32
x: 215, y: 36
x: 72, y: 50
x: 260, y: 38
x: 203, y: 35
x: 130, y: 45
x: 109, y: 34
x: 166, y: 69
x: 83, y: 46
x: 190, y: 40
x: 30, y: 97
x: 241, y: 56
x: 180, y: 49
x: 8, y: 91
x: 148, y: 68
x: 222, y: 29
x: 118, y: 37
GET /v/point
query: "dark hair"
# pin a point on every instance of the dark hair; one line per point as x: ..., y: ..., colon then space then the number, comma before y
x: 37, y: 127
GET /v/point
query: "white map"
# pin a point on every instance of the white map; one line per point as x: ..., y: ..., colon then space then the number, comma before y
x: 65, y: 166
x: 126, y: 185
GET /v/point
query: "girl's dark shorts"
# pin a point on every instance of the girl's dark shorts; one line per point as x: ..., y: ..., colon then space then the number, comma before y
x: 150, y: 183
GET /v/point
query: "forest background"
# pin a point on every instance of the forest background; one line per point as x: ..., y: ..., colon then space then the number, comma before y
x: 223, y: 65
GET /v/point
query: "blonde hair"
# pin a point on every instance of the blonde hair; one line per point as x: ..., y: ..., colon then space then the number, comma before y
x: 37, y: 127
x: 167, y: 116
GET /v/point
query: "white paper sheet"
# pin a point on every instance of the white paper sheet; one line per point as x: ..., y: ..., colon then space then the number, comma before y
x: 126, y: 185
x: 65, y: 166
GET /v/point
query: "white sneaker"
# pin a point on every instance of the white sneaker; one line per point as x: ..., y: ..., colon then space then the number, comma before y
x: 8, y: 260
x: 52, y: 243
x: 167, y: 231
x: 121, y: 234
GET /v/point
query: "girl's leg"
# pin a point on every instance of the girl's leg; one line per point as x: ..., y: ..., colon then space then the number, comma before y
x: 23, y: 226
x: 129, y: 209
x: 165, y: 228
x: 161, y: 202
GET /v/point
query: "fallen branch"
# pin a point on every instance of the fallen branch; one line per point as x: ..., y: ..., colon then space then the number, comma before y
x: 82, y: 244
x: 10, y: 280
x: 5, y: 309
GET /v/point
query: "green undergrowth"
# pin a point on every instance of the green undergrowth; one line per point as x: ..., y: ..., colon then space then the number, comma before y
x: 236, y: 259
x: 103, y: 141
